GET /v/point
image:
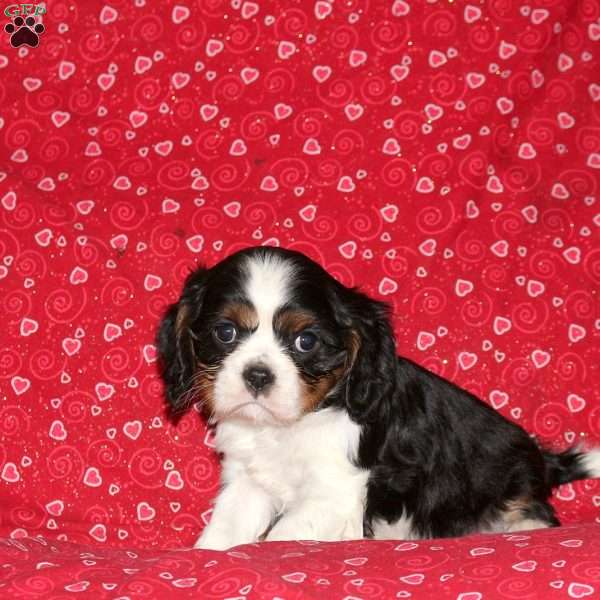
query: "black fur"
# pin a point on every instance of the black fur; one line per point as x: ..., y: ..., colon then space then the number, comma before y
x: 435, y: 452
x: 368, y: 383
x: 177, y: 354
x: 564, y: 467
x: 447, y: 459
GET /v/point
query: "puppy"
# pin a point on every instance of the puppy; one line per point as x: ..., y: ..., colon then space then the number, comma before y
x: 325, y: 433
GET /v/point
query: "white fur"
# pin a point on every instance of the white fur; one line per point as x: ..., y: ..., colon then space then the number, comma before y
x: 266, y: 288
x: 402, y: 529
x: 302, y: 473
x: 527, y: 525
x: 591, y: 463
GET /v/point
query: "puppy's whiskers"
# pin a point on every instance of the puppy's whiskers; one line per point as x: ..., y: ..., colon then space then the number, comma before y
x: 201, y: 381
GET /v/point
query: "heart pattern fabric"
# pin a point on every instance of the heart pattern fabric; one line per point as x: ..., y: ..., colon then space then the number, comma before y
x: 445, y: 157
x: 561, y: 562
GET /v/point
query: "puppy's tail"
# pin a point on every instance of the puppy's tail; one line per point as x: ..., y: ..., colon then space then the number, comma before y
x: 570, y: 465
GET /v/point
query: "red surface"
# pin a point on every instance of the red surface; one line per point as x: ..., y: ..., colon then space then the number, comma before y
x: 446, y: 160
x: 558, y: 563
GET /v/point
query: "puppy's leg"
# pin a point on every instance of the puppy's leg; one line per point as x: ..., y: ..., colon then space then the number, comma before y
x: 525, y: 524
x: 242, y: 512
x: 318, y: 520
x: 331, y: 507
x: 524, y: 514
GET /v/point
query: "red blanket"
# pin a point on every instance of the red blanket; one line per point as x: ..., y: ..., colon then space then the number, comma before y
x: 443, y: 156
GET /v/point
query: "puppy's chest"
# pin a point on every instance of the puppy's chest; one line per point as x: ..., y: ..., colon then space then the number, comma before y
x: 276, y: 468
x: 294, y: 461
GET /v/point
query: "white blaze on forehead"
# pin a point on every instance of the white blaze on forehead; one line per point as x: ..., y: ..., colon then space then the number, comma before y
x: 267, y: 286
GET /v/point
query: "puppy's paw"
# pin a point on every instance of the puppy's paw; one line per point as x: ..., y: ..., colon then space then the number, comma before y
x: 331, y: 529
x: 213, y: 540
x: 291, y: 529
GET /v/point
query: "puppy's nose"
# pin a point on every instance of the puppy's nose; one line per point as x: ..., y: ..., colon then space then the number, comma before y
x: 258, y: 377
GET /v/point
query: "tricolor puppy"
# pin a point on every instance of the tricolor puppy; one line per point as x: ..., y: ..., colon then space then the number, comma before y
x: 325, y: 433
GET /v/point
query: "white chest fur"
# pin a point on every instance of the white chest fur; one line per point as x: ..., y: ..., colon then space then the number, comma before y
x: 303, y: 473
x: 297, y: 461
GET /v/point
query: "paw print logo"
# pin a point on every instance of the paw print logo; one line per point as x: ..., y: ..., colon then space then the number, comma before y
x: 24, y: 31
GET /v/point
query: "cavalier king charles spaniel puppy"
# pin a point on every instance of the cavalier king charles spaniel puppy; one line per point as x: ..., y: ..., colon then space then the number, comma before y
x: 324, y: 432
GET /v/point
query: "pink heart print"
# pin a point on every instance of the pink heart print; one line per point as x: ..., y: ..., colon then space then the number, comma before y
x: 442, y: 157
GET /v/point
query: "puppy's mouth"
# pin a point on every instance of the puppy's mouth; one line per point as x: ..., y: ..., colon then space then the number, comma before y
x: 253, y: 411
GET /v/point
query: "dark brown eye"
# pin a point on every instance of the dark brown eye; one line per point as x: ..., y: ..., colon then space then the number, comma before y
x: 306, y: 341
x: 226, y: 333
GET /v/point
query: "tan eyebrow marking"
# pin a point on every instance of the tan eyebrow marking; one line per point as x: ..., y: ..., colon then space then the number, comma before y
x: 292, y: 320
x: 241, y: 314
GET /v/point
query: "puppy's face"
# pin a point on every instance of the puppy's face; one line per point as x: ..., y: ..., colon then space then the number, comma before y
x: 257, y: 337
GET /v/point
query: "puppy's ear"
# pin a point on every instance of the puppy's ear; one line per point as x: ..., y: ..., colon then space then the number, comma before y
x: 372, y: 358
x: 175, y: 343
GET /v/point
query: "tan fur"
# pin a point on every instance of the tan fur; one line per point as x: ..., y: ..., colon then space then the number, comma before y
x: 514, y: 510
x: 242, y: 315
x: 203, y: 389
x: 514, y: 519
x: 182, y: 318
x: 353, y: 348
x: 314, y: 392
x: 293, y: 321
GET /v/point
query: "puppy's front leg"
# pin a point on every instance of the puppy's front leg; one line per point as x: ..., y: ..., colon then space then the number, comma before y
x: 318, y: 521
x: 242, y: 512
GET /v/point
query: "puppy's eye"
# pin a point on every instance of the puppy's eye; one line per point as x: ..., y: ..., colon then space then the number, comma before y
x: 306, y: 341
x: 225, y: 333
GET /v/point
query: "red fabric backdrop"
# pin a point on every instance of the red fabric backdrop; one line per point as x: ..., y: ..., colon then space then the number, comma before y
x: 443, y: 156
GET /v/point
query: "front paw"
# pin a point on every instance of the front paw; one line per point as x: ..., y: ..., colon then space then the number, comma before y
x: 213, y: 540
x: 290, y: 529
x: 326, y: 529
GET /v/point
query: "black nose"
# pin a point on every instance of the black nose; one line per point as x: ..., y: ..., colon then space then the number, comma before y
x: 257, y: 377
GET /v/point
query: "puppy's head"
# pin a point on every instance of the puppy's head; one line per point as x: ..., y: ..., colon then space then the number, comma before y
x: 267, y: 335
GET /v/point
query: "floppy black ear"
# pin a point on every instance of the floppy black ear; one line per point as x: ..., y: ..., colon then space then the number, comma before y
x: 175, y: 343
x: 371, y: 374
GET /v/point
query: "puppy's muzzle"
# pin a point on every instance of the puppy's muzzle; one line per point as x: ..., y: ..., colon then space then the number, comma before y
x: 258, y: 378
